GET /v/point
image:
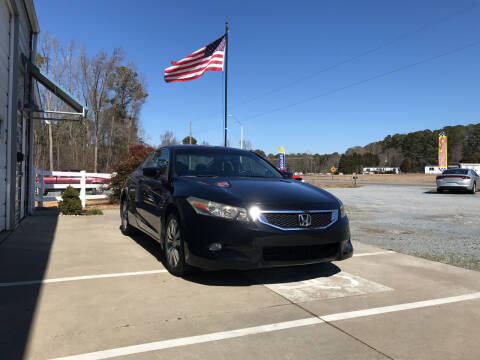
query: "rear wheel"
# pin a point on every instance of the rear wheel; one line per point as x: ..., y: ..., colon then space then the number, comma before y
x: 474, y: 188
x: 440, y: 190
x: 173, y: 247
x: 125, y: 226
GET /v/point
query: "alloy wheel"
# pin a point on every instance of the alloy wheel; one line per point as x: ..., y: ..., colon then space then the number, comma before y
x: 173, y: 242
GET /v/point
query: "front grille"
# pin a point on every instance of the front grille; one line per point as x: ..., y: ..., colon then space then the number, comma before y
x: 291, y: 253
x: 291, y: 220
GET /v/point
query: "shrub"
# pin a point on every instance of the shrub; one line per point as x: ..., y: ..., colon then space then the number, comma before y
x: 94, y: 212
x: 70, y: 204
x: 136, y: 155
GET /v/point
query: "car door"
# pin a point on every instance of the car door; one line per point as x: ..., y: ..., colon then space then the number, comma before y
x: 137, y: 190
x: 156, y: 192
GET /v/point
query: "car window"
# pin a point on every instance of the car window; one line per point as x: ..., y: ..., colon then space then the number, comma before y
x: 148, y: 160
x: 456, y: 171
x: 223, y: 163
x: 161, y: 158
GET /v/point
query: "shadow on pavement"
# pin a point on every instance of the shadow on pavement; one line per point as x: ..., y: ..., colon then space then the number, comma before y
x: 458, y: 192
x: 264, y: 276
x: 23, y: 256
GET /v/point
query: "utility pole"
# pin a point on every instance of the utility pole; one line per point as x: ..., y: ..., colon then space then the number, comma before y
x: 241, y: 129
x: 190, y: 133
x: 241, y: 136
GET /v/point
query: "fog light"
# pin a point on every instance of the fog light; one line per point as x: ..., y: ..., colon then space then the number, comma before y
x: 215, y: 247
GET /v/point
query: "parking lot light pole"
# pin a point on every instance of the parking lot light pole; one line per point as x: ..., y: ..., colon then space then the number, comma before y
x: 241, y: 129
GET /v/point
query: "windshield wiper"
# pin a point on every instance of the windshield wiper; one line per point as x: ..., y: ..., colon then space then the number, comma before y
x: 200, y: 175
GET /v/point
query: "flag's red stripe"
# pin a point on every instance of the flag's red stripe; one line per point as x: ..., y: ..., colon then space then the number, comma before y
x: 191, y: 78
x: 196, y: 70
x: 189, y: 58
x: 181, y: 69
x: 187, y: 64
x: 193, y: 71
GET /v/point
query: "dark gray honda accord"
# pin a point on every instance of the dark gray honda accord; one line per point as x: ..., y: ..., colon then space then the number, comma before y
x: 224, y: 208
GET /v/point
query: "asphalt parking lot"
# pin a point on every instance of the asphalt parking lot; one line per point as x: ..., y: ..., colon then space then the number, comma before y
x: 416, y: 220
x: 75, y: 288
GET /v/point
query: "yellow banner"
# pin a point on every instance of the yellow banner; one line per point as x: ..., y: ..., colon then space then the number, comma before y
x: 442, y: 151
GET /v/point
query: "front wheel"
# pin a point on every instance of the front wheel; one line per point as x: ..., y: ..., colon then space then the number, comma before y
x: 440, y: 190
x: 173, y: 247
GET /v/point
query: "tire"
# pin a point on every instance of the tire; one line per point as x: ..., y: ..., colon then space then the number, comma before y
x: 440, y: 191
x: 174, y: 249
x: 125, y: 226
x: 474, y: 188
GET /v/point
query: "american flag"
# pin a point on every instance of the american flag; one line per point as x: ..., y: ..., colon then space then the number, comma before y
x: 193, y: 66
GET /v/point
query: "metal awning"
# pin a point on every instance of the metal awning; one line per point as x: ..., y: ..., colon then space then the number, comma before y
x: 55, y: 88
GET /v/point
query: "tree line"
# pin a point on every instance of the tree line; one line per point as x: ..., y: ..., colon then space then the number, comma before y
x: 113, y: 91
x: 410, y: 152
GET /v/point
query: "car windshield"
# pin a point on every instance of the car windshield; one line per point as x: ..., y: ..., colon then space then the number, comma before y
x: 456, y: 171
x: 222, y: 163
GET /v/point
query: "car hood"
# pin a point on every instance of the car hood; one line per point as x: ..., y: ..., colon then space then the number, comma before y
x: 273, y: 194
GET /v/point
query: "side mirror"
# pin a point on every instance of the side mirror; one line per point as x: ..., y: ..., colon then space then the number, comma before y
x: 150, y: 171
x: 156, y: 172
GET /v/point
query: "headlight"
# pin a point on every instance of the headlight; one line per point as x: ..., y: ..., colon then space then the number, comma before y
x: 206, y: 207
x: 342, y: 210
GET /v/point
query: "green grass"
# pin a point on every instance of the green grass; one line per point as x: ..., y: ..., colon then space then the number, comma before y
x: 93, y: 212
x: 467, y: 263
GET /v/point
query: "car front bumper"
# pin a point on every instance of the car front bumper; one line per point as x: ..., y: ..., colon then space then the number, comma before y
x: 255, y: 245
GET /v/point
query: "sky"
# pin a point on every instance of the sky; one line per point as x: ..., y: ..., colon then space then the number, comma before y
x: 311, y: 76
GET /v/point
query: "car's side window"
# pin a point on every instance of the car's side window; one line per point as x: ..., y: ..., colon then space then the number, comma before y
x: 162, y: 158
x: 148, y: 160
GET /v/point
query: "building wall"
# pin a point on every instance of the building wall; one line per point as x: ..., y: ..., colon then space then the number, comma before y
x: 14, y: 94
x: 432, y: 169
x: 5, y: 18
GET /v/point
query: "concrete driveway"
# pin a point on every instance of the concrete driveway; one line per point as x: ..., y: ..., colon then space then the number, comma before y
x: 74, y: 287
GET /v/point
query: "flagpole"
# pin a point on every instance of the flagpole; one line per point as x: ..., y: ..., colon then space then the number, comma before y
x: 226, y: 77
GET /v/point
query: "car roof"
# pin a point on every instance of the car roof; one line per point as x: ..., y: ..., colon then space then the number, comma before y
x: 203, y: 147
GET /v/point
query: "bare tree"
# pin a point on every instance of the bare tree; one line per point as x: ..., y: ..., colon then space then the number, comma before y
x: 96, y: 75
x: 167, y: 138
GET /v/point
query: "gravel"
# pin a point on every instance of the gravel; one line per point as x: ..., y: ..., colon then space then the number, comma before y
x: 416, y: 220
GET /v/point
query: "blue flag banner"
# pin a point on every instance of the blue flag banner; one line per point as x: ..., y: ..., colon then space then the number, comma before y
x: 281, y: 158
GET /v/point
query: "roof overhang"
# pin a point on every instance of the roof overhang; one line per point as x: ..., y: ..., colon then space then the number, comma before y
x: 55, y: 87
x: 32, y: 16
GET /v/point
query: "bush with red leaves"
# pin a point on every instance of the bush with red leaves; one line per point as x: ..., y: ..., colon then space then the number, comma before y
x: 137, y: 153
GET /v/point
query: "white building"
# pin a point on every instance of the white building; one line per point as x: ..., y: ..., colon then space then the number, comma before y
x: 19, y: 108
x: 433, y: 169
x: 380, y: 170
x: 472, y: 166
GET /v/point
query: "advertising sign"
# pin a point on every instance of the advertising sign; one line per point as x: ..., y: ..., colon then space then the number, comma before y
x: 281, y: 158
x: 442, y: 151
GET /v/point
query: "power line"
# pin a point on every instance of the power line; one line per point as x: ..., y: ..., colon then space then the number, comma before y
x: 360, y: 55
x: 356, y: 83
x: 350, y: 59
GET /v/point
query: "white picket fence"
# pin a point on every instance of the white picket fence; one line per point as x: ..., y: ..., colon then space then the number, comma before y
x: 41, y: 187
